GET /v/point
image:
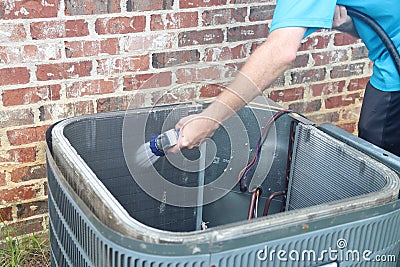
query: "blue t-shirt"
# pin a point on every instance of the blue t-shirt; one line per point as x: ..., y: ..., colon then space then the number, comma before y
x: 317, y: 14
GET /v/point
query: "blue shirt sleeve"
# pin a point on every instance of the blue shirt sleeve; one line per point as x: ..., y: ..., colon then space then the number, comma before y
x: 310, y: 14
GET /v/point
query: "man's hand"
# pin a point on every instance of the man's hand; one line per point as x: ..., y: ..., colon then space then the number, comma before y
x: 340, y: 17
x: 343, y: 22
x: 193, y: 130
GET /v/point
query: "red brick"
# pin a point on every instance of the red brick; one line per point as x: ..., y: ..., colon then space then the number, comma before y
x: 200, y: 37
x: 59, y: 29
x: 163, y: 97
x: 224, y: 16
x: 242, y: 33
x: 26, y: 210
x: 120, y: 102
x: 359, y: 52
x: 341, y: 100
x: 63, y: 70
x: 315, y: 42
x: 30, y: 53
x: 341, y: 39
x: 189, y: 75
x: 27, y: 135
x: 210, y: 90
x: 2, y: 178
x: 279, y: 82
x: 31, y: 95
x: 28, y: 173
x: 178, y: 20
x: 347, y: 70
x: 326, y: 88
x: 142, y: 98
x: 320, y: 118
x: 19, y: 155
x: 169, y: 59
x: 5, y: 214
x: 148, y: 5
x: 255, y: 45
x: 112, y: 66
x: 28, y: 9
x: 226, y: 53
x: 76, y: 28
x: 77, y: 49
x: 120, y: 25
x: 24, y: 227
x: 358, y: 84
x: 351, y: 114
x: 325, y: 58
x: 301, y: 61
x: 233, y: 68
x: 148, y: 42
x: 306, y: 107
x: 90, y: 7
x: 93, y: 87
x: 307, y: 76
x: 12, y: 33
x: 201, y: 3
x: 62, y: 111
x: 18, y: 75
x: 261, y: 13
x: 15, y: 117
x: 286, y: 95
x: 46, y: 189
x: 146, y: 81
x: 349, y: 126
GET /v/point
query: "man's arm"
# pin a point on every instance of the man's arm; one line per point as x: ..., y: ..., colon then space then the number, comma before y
x: 343, y: 22
x: 263, y: 67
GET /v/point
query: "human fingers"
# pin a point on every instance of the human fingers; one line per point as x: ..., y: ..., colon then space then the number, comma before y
x: 183, y: 142
x: 186, y: 138
x: 343, y: 12
x: 340, y: 17
x: 336, y: 15
x: 193, y: 131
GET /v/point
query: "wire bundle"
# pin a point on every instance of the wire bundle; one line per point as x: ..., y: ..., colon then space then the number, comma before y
x: 242, y: 177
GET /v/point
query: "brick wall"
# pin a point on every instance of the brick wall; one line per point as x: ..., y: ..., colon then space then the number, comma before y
x: 60, y: 59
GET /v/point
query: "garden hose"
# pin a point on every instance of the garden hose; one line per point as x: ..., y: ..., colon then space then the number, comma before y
x: 394, y: 53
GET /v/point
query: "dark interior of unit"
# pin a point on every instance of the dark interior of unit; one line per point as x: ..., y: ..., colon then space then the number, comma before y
x: 98, y: 141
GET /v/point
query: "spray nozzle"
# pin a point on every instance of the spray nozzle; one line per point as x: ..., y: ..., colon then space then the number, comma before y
x: 160, y: 143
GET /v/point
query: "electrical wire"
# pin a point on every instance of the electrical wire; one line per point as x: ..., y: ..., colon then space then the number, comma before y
x: 242, y: 176
x: 253, y: 209
x: 256, y: 204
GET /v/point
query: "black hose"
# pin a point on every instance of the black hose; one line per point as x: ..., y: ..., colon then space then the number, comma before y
x: 394, y: 53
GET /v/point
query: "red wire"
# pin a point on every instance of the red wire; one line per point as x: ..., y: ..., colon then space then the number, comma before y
x: 259, y: 143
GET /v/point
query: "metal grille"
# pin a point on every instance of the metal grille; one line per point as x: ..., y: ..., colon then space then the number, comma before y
x: 380, y: 235
x: 87, y: 246
x: 101, y: 149
x: 325, y: 170
x: 76, y: 241
x: 83, y: 234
